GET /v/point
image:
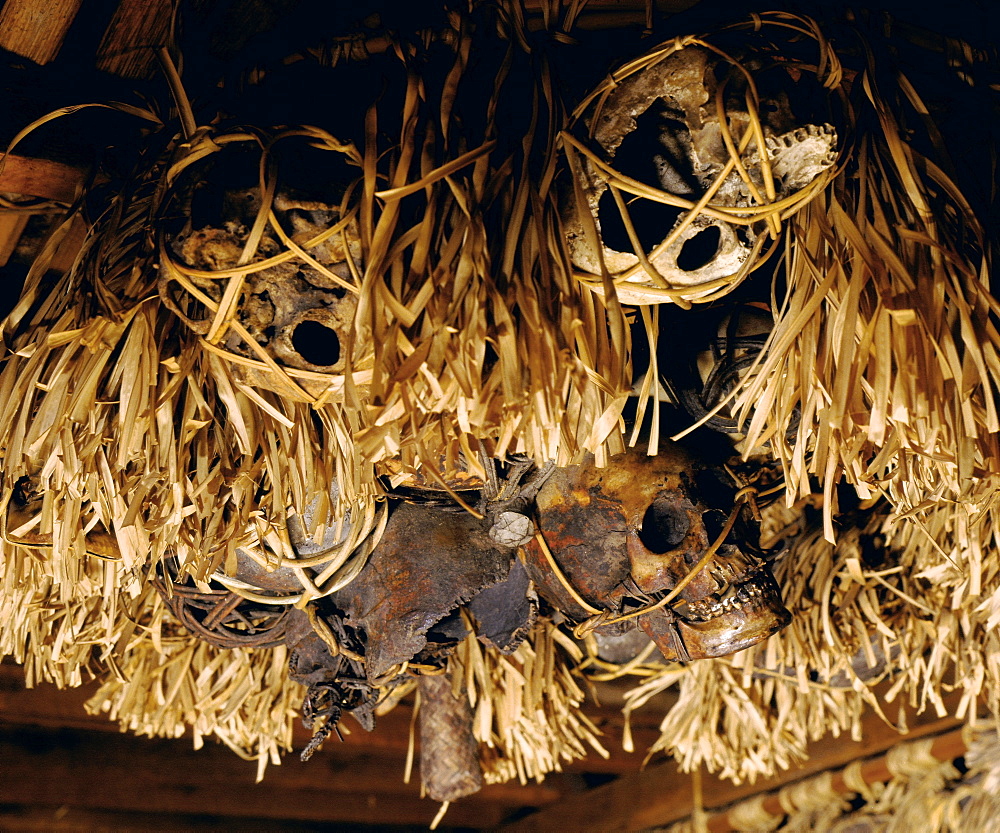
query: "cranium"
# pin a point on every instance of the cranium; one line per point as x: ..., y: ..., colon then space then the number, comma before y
x: 301, y: 310
x: 661, y: 126
x: 625, y: 534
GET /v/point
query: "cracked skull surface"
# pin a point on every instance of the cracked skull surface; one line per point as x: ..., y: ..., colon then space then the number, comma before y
x: 624, y: 535
x: 676, y: 182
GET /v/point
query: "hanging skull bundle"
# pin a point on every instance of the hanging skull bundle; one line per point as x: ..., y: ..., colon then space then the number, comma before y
x: 685, y: 162
x: 619, y: 538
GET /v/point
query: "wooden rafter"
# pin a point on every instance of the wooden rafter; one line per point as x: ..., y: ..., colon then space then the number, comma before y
x: 661, y: 794
x: 36, y: 30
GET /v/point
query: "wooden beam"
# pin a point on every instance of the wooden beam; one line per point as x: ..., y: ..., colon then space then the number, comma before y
x: 137, y: 29
x: 662, y: 794
x: 94, y: 771
x: 41, y: 178
x: 34, y: 29
x: 21, y: 819
x: 46, y: 705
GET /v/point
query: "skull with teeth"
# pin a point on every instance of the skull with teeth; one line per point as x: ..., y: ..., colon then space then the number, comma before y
x: 624, y: 535
x: 661, y: 127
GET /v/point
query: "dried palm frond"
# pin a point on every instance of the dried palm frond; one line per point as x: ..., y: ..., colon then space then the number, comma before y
x: 527, y: 706
x: 882, y: 365
x: 170, y: 684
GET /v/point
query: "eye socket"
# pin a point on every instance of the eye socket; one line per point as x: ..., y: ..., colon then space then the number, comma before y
x: 664, y: 526
x: 715, y: 522
x: 700, y: 250
x: 316, y: 343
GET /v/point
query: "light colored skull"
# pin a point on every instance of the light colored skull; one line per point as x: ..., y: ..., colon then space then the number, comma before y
x: 661, y: 127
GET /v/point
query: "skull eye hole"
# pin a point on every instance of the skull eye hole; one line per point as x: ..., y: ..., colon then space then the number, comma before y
x: 715, y: 522
x: 664, y: 526
x: 651, y: 220
x: 699, y: 250
x: 316, y: 343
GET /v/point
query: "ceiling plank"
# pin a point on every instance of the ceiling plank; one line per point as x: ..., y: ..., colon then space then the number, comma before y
x: 47, y: 705
x: 35, y: 29
x: 62, y: 819
x: 662, y: 794
x: 137, y: 29
x: 104, y: 772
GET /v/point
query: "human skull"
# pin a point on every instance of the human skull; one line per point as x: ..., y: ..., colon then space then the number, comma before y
x: 261, y: 252
x: 660, y: 126
x: 624, y: 534
x: 300, y: 316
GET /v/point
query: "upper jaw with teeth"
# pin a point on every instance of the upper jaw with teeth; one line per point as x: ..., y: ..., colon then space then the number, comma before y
x: 735, y: 594
x: 731, y: 604
x: 731, y: 582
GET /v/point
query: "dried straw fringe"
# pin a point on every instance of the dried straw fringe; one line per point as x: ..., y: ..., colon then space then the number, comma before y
x: 885, y: 345
x: 484, y: 265
x: 170, y: 684
x: 527, y: 706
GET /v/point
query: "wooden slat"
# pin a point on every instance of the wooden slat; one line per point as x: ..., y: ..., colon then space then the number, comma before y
x: 137, y: 29
x: 41, y: 178
x: 45, y: 705
x: 12, y: 224
x: 35, y: 29
x: 662, y: 794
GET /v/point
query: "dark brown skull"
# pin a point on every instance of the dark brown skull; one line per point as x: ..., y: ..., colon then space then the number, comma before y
x: 626, y: 534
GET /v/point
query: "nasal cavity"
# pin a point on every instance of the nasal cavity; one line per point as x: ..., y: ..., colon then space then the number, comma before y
x: 664, y: 526
x: 700, y: 250
x: 316, y: 343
